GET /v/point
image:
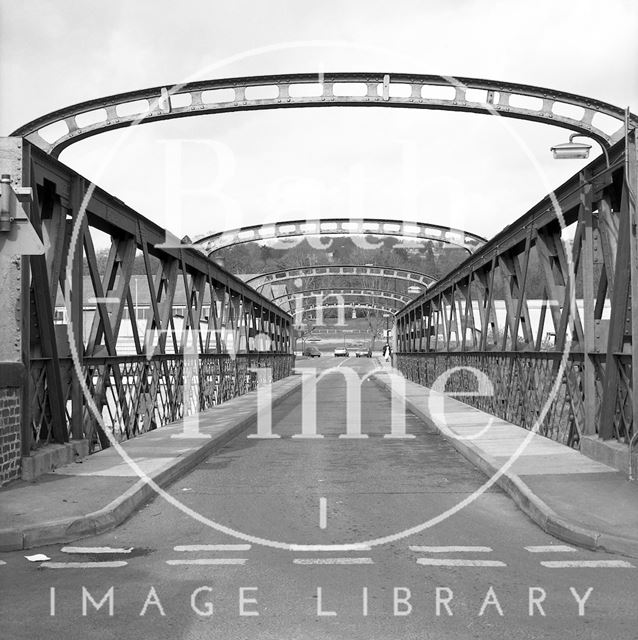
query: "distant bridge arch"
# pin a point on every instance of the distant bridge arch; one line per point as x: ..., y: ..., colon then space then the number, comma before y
x: 369, y: 306
x: 342, y: 226
x: 383, y: 294
x: 319, y: 271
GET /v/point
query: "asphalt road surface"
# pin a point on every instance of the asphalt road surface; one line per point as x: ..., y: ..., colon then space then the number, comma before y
x: 484, y: 571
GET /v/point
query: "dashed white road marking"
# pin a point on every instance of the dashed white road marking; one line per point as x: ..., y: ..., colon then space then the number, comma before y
x: 333, y: 561
x: 355, y: 546
x: 208, y: 561
x: 2, y: 562
x: 95, y: 550
x: 212, y: 547
x: 323, y: 515
x: 461, y: 549
x: 549, y: 548
x: 109, y: 564
x: 459, y: 562
x: 587, y: 564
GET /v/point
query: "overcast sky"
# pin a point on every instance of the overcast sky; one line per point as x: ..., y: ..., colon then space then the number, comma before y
x: 471, y: 171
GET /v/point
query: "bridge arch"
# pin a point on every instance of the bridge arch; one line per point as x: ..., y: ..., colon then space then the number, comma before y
x: 342, y: 226
x: 57, y: 130
x: 341, y: 306
x: 328, y: 270
x: 370, y: 306
x: 363, y: 293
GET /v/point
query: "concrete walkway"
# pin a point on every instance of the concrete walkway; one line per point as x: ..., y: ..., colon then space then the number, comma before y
x: 566, y: 493
x: 101, y: 491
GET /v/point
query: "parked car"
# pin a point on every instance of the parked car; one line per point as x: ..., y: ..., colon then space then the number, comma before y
x: 312, y: 352
x: 363, y: 353
x: 341, y: 352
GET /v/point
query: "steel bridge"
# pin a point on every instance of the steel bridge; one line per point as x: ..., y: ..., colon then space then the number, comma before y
x: 66, y: 382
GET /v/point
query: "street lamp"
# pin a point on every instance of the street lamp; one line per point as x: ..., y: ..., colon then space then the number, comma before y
x: 575, y: 150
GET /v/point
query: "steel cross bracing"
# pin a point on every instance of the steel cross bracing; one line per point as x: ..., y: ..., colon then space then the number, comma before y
x: 178, y: 365
x: 325, y: 292
x: 59, y: 129
x: 455, y: 322
x: 341, y: 226
x: 340, y: 270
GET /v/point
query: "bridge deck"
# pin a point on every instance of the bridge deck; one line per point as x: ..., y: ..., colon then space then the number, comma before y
x: 567, y: 493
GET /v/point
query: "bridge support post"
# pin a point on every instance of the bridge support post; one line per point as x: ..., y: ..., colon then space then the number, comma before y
x: 191, y: 385
x: 77, y: 316
x: 631, y: 166
x: 587, y: 260
x: 623, y: 331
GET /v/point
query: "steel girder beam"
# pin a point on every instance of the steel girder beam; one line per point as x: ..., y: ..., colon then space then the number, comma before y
x: 110, y: 215
x: 342, y: 226
x: 454, y: 321
x: 131, y: 391
x: 59, y: 129
x: 541, y: 216
x: 332, y: 270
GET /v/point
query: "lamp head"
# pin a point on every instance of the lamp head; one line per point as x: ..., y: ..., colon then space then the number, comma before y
x: 571, y: 150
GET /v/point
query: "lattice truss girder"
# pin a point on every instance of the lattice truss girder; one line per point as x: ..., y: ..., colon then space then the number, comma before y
x: 459, y: 313
x: 225, y: 322
x: 522, y: 383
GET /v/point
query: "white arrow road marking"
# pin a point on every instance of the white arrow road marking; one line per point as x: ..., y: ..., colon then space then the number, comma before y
x: 333, y: 561
x: 587, y: 564
x: 212, y: 547
x: 110, y: 564
x: 451, y: 549
x: 208, y: 561
x: 550, y: 548
x: 457, y: 562
x: 95, y: 550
